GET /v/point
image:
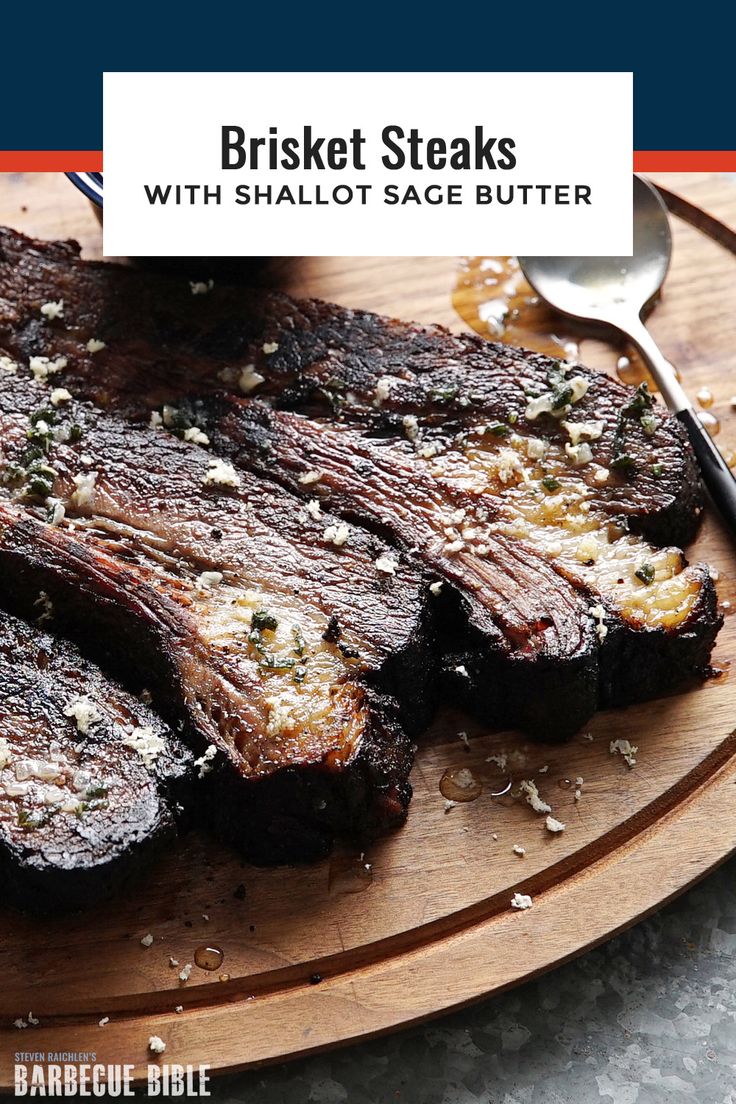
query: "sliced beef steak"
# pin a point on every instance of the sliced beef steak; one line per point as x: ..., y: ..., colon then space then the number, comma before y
x: 544, y: 575
x: 271, y: 634
x: 89, y: 777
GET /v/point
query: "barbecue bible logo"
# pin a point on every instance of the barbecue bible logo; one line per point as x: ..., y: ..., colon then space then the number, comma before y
x: 72, y: 1073
x: 364, y: 163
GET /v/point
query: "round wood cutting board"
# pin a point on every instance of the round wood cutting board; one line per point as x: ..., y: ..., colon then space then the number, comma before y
x: 422, y: 923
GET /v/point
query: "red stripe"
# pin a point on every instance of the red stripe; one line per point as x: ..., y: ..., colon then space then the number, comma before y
x: 50, y: 161
x: 685, y: 160
x: 91, y: 160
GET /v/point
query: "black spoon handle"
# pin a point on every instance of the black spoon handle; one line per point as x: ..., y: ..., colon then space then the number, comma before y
x: 714, y: 469
x: 716, y: 473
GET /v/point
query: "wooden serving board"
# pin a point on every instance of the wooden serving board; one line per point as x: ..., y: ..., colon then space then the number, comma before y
x: 326, y: 954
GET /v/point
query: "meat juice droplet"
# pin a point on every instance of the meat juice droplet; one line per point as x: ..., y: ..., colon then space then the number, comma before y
x: 711, y: 423
x: 208, y: 957
x: 628, y: 372
x: 460, y: 784
x: 349, y: 874
x: 630, y: 369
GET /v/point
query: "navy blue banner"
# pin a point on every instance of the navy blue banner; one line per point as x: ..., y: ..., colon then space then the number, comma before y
x: 54, y: 56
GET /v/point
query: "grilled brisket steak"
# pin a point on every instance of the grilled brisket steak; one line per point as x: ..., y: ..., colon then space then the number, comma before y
x: 271, y: 634
x: 88, y: 775
x: 569, y: 601
x: 546, y: 496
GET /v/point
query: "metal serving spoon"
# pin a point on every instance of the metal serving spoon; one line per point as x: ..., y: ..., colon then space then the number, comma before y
x: 614, y: 291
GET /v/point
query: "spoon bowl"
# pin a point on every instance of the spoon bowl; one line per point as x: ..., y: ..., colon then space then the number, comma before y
x: 604, y: 289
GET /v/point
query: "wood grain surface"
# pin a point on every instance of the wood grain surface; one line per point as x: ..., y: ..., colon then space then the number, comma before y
x: 321, y: 955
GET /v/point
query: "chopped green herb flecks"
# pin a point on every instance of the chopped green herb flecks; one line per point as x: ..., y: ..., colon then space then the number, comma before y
x: 642, y: 401
x: 271, y: 662
x: 45, y: 414
x: 299, y: 644
x: 29, y: 821
x: 40, y: 480
x: 31, y: 473
x: 95, y: 792
x: 657, y: 470
x: 40, y: 437
x: 36, y: 475
x: 443, y: 394
x: 645, y: 573
x: 550, y: 483
x: 498, y: 429
x: 561, y: 395
x: 89, y: 806
x: 623, y: 462
x: 639, y: 408
x: 262, y: 619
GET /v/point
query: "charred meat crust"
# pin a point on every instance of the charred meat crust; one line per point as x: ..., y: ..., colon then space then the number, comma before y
x: 81, y: 811
x: 651, y: 662
x: 296, y: 814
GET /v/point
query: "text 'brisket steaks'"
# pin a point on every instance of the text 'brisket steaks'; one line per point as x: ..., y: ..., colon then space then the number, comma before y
x: 88, y: 775
x: 272, y: 635
x: 547, y: 498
